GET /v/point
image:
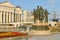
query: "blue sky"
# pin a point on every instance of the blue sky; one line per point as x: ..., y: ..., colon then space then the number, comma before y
x: 50, y: 5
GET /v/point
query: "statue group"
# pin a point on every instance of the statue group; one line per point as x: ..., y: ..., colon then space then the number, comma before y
x: 40, y: 14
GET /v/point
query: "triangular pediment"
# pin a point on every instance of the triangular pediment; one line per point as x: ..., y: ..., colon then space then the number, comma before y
x: 6, y: 4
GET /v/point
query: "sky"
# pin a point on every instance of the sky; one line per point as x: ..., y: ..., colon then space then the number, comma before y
x: 50, y: 5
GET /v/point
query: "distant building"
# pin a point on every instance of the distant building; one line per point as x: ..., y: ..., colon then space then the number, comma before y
x: 27, y: 16
x: 9, y: 13
x: 52, y: 23
x: 32, y: 17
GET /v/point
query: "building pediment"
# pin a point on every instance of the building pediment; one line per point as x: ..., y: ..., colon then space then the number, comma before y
x: 6, y: 4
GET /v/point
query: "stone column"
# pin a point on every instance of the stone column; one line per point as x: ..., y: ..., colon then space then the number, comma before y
x: 12, y: 17
x: 6, y: 17
x: 0, y: 16
x: 3, y: 17
x: 19, y: 17
x: 9, y: 17
x: 16, y: 17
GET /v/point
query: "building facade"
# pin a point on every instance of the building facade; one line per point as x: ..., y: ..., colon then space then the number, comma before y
x: 27, y: 16
x: 9, y: 13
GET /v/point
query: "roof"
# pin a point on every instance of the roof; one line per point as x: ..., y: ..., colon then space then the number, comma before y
x: 18, y: 7
x: 6, y: 3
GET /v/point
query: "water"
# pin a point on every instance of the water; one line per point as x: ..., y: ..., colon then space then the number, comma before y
x: 49, y: 37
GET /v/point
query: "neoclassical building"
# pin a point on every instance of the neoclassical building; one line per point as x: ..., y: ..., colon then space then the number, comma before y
x: 10, y: 13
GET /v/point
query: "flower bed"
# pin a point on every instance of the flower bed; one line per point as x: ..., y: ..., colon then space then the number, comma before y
x: 12, y: 34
